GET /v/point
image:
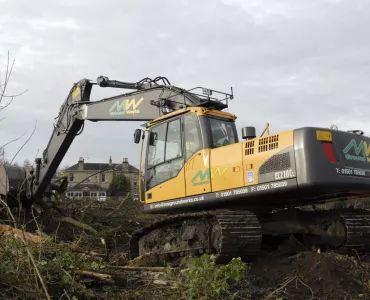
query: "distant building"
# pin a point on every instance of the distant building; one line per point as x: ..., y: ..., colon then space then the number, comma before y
x: 93, y: 179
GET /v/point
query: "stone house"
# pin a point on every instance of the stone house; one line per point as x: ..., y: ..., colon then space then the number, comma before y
x: 93, y: 179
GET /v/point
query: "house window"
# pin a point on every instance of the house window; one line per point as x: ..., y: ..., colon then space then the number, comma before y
x: 102, y: 177
x: 135, y: 184
x: 71, y: 177
x: 102, y: 194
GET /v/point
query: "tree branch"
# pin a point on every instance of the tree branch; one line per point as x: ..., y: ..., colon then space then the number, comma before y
x: 25, y: 142
x: 8, y: 74
x: 76, y: 223
x: 12, y: 141
x: 15, y: 95
x: 118, y: 207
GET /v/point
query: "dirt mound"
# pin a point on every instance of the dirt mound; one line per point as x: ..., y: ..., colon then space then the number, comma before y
x: 308, y: 275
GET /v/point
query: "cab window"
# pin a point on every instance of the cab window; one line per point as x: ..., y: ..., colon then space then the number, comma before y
x: 193, y: 141
x: 222, y: 132
x: 165, y: 158
x: 173, y: 140
x: 157, y: 145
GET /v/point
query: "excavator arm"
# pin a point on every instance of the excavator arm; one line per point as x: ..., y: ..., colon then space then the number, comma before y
x: 150, y: 99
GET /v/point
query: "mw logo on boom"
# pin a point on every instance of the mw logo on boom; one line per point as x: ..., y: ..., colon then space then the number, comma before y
x: 126, y: 107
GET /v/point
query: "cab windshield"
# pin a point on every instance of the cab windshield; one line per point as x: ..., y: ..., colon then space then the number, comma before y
x: 222, y: 131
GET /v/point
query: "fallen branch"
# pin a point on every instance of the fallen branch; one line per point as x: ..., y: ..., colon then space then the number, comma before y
x: 86, y: 208
x: 118, y: 207
x: 131, y: 279
x: 20, y: 234
x: 100, y: 276
x: 282, y: 286
x: 58, y: 209
x: 76, y: 223
x: 77, y: 248
x: 148, y: 269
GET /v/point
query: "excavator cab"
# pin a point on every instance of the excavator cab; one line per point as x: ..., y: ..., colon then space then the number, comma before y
x: 178, y: 151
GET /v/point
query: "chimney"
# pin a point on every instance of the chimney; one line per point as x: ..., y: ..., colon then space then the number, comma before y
x: 81, y: 164
x: 125, y: 164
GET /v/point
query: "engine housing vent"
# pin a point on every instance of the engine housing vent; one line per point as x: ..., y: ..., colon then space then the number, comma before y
x: 278, y: 162
x: 268, y: 143
x: 249, y: 148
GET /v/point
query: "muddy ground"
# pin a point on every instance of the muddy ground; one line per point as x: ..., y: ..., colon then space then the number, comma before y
x: 309, y: 274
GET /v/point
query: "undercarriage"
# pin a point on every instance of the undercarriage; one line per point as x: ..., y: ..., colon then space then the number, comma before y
x: 232, y: 233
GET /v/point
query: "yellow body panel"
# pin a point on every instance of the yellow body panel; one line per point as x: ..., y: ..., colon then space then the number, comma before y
x: 199, y: 161
x: 167, y: 190
x: 227, y: 167
x: 257, y: 151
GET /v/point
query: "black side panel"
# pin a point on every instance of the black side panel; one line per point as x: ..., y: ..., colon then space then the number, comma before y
x: 316, y: 173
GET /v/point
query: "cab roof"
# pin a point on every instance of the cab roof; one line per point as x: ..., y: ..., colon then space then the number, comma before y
x: 200, y: 111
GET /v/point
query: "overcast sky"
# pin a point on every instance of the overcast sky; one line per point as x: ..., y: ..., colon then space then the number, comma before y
x: 292, y: 63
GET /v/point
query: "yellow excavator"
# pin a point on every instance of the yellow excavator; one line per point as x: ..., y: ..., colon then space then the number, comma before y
x: 221, y: 195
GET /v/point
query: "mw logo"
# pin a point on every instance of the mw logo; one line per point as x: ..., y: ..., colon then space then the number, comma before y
x: 361, y: 151
x: 126, y: 107
x: 203, y: 177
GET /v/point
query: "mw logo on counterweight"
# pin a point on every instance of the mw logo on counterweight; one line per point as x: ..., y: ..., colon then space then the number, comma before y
x: 360, y: 152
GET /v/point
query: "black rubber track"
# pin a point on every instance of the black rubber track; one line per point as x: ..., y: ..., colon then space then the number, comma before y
x: 241, y: 234
x: 357, y: 224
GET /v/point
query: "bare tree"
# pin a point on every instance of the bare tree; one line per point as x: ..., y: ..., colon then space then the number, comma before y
x: 4, y: 84
x: 5, y: 100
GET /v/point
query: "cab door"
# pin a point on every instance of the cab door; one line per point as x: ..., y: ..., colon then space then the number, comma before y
x: 164, y: 174
x: 197, y: 159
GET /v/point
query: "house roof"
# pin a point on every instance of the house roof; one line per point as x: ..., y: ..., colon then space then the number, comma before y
x: 102, y: 166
